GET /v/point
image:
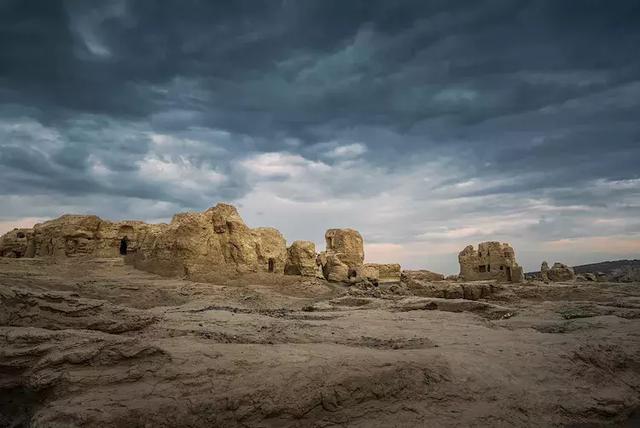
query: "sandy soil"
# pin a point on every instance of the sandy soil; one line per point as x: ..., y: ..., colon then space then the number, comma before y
x: 98, y: 343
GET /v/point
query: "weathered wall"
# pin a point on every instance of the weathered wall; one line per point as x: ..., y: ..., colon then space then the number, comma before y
x: 492, y: 261
x: 73, y: 236
x: 200, y: 246
x: 347, y: 245
x: 217, y: 240
x: 383, y: 272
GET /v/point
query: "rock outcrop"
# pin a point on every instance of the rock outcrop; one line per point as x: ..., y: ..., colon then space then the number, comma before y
x: 196, y: 244
x: 492, y: 261
x: 557, y: 273
x: 301, y: 259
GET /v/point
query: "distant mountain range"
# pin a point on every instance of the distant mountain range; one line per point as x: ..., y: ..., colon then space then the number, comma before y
x: 609, y: 267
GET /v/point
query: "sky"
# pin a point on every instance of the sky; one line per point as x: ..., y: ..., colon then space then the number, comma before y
x: 426, y: 125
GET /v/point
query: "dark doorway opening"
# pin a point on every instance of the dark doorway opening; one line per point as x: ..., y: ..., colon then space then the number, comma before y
x: 508, y: 273
x: 272, y: 265
x: 124, y: 243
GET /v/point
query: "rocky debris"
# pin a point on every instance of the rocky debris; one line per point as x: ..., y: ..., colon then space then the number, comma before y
x: 492, y: 261
x: 59, y: 310
x: 451, y: 277
x: 301, y: 259
x: 17, y: 243
x: 586, y: 277
x: 624, y: 274
x: 422, y: 275
x: 557, y: 273
x: 365, y: 288
x: 217, y: 240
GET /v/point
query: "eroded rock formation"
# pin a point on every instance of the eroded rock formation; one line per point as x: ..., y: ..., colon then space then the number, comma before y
x: 492, y: 261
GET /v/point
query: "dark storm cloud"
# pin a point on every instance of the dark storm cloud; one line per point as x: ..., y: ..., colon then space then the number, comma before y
x: 177, y: 101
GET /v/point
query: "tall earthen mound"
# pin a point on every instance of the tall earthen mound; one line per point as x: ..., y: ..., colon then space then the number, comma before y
x: 217, y: 240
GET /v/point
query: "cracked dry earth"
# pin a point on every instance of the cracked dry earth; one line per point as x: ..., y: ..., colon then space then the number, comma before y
x: 98, y: 343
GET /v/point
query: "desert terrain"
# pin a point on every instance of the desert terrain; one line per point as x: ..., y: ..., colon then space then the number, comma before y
x: 95, y: 342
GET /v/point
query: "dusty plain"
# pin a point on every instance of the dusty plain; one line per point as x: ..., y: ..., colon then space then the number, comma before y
x: 95, y: 342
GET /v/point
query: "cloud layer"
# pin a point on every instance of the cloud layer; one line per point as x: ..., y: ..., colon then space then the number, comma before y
x: 426, y: 125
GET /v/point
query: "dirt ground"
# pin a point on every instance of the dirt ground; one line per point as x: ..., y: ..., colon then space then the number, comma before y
x: 98, y: 343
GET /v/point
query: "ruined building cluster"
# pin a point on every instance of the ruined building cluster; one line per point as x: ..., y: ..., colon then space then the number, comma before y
x: 197, y: 245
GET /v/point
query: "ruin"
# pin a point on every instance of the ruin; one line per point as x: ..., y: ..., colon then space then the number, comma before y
x: 557, y: 273
x: 344, y: 255
x: 492, y: 261
x: 382, y: 272
x: 217, y: 240
x: 197, y: 245
x: 17, y: 243
x: 73, y: 235
x: 301, y: 259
